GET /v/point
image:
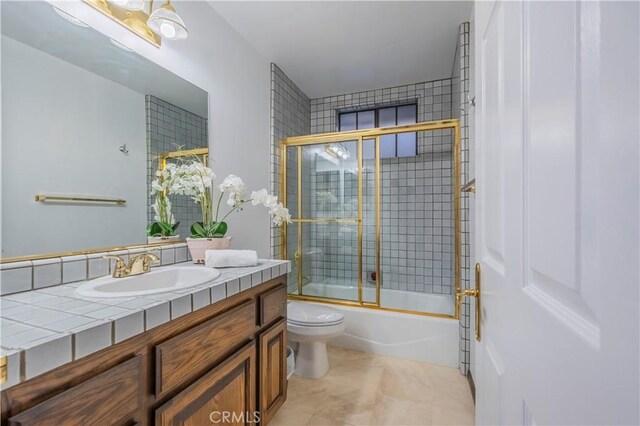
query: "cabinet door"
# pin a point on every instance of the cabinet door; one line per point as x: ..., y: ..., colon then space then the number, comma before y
x: 224, y: 395
x: 273, y: 370
x: 113, y: 397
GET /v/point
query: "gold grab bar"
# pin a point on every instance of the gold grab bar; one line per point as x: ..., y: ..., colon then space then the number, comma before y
x: 44, y: 198
x: 477, y: 294
x: 469, y: 186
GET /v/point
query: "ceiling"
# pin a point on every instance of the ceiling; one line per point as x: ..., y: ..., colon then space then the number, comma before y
x: 37, y: 25
x: 333, y: 47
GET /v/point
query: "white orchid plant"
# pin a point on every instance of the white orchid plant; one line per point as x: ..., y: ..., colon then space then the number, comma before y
x: 164, y: 224
x: 193, y: 178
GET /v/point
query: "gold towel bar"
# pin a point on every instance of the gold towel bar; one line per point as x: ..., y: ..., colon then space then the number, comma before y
x: 43, y: 198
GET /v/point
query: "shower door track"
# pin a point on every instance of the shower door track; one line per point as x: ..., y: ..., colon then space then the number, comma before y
x: 359, y: 135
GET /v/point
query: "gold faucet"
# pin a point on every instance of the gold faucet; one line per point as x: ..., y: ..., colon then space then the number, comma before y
x: 138, y: 264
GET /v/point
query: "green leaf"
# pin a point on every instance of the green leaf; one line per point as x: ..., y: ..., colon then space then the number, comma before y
x: 154, y: 230
x: 198, y: 231
x: 219, y: 229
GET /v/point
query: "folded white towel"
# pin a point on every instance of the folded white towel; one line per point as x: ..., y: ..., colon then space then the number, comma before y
x: 230, y: 258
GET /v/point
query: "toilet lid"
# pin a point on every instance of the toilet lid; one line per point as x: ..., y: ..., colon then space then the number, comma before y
x: 312, y: 315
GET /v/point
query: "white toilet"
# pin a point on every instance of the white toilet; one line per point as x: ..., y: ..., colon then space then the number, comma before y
x: 311, y: 326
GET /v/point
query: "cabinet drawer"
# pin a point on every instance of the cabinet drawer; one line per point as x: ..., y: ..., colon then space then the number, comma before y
x: 273, y: 304
x: 187, y: 356
x: 112, y: 397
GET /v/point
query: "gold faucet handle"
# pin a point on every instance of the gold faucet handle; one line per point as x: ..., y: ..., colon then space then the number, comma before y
x: 148, y: 258
x: 151, y: 257
x: 120, y: 263
x: 121, y: 266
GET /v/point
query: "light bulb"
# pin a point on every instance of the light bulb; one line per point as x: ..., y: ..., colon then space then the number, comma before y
x: 120, y: 3
x: 167, y: 30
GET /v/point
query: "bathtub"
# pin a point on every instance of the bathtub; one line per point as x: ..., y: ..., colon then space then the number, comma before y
x: 409, y: 336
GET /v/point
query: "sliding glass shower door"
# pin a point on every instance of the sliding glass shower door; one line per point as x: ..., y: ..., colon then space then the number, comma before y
x: 374, y: 225
x: 323, y: 239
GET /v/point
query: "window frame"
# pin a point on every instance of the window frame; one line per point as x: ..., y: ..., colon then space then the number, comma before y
x: 376, y: 113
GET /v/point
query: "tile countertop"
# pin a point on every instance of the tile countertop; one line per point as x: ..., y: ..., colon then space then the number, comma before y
x: 46, y: 328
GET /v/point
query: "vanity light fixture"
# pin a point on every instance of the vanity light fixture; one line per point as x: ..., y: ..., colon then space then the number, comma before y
x: 69, y: 18
x: 151, y: 25
x: 166, y: 22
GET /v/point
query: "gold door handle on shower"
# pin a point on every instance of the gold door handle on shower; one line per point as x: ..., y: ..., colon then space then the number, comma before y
x: 477, y: 294
x: 296, y: 257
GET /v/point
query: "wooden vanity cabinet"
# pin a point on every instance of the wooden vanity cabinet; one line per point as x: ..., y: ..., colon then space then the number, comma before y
x: 227, y: 359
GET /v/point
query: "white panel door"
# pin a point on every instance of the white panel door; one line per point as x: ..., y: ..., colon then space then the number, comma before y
x: 557, y: 145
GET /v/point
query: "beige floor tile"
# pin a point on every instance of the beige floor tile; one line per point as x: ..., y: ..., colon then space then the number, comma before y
x: 406, y: 381
x: 368, y: 389
x: 344, y: 404
x: 305, y: 394
x: 452, y: 396
x: 287, y: 416
x: 397, y: 411
x: 442, y: 417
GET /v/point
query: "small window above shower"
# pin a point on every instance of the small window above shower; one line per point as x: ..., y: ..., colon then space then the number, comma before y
x: 391, y: 146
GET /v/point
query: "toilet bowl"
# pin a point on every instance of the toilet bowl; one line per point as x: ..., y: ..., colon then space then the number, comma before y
x: 312, y: 326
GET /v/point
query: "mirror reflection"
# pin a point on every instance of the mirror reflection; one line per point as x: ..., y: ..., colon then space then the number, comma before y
x: 86, y: 122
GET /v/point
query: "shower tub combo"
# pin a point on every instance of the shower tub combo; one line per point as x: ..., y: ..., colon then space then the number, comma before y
x: 344, y: 229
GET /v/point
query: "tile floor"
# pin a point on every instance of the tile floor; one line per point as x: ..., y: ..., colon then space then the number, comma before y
x: 369, y: 389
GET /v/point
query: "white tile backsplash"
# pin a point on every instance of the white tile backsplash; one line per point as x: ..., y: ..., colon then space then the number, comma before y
x: 98, y: 266
x: 16, y: 277
x: 16, y: 280
x: 74, y: 268
x: 168, y: 256
x: 47, y: 273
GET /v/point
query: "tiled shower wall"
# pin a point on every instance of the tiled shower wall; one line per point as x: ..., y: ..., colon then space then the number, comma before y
x: 416, y: 194
x: 170, y: 128
x: 460, y: 85
x: 290, y: 116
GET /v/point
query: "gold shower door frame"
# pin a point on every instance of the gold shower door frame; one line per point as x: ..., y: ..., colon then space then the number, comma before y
x: 359, y: 136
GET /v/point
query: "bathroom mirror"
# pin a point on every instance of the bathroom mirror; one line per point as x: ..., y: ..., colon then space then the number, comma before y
x: 84, y: 120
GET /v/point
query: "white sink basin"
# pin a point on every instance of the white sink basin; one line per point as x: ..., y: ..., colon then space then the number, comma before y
x: 156, y: 281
